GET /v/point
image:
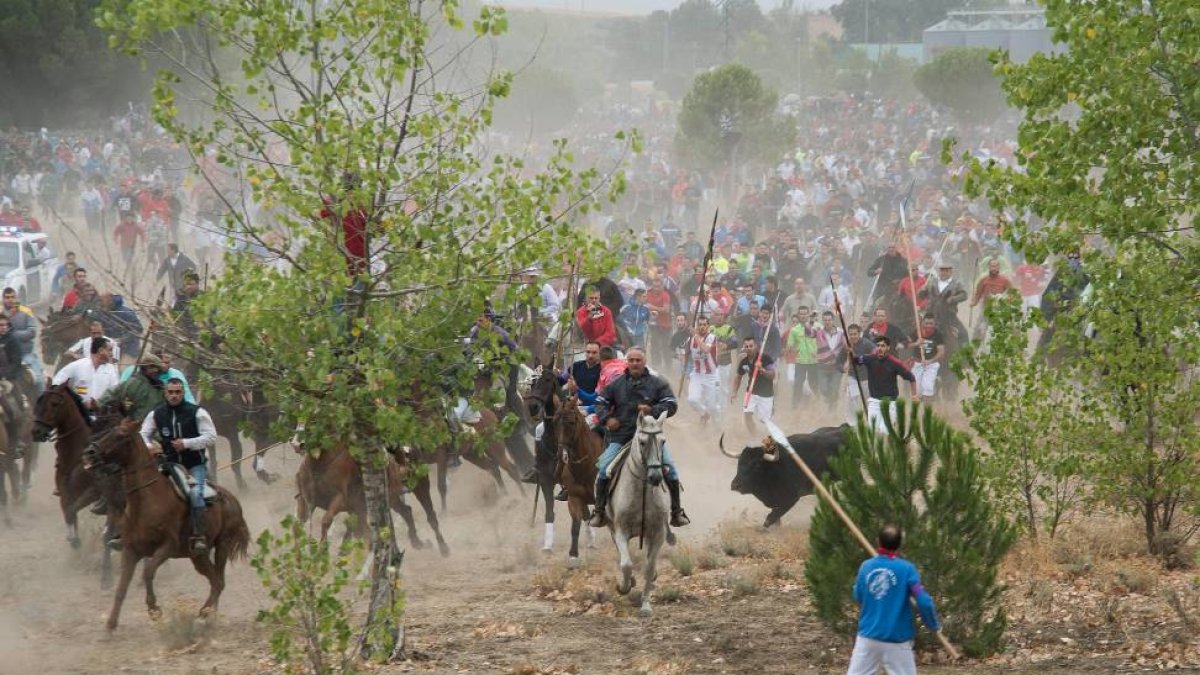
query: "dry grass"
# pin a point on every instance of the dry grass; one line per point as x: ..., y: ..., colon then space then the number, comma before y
x: 742, y: 583
x: 710, y: 559
x: 683, y: 561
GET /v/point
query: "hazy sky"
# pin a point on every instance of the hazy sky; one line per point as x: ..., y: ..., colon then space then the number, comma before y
x: 639, y: 6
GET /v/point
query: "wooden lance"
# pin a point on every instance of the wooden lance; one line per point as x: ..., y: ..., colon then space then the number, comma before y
x: 758, y: 359
x: 780, y: 440
x: 712, y: 233
x: 837, y: 306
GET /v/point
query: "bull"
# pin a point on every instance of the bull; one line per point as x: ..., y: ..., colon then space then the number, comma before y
x: 779, y: 485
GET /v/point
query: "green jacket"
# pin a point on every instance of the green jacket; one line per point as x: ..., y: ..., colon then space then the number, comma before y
x: 143, y: 396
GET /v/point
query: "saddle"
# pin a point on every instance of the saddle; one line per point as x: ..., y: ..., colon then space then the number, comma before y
x: 614, y: 467
x: 183, y: 483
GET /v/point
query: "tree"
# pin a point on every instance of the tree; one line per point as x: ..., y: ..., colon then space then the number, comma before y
x: 56, y: 67
x: 892, y: 21
x: 923, y: 476
x: 1040, y: 433
x: 1109, y: 162
x: 728, y: 117
x: 388, y: 231
x: 962, y: 80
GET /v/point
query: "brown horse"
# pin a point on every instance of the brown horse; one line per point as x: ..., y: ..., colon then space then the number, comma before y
x: 8, y: 471
x: 542, y: 403
x: 491, y: 457
x: 157, y: 523
x: 583, y: 448
x: 333, y: 482
x: 59, y: 412
x: 60, y: 330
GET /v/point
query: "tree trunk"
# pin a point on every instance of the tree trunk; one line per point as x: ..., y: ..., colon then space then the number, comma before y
x: 383, y: 632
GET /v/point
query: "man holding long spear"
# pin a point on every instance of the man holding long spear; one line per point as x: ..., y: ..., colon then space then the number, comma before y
x: 760, y: 390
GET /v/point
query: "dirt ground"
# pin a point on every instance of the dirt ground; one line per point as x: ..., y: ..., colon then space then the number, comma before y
x: 499, y: 605
x: 496, y: 605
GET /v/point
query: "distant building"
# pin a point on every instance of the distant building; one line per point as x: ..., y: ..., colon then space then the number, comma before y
x: 1022, y: 32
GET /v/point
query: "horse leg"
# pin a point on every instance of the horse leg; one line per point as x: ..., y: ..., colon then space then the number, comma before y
x: 426, y: 501
x: 651, y: 574
x: 442, y: 468
x: 129, y: 561
x: 573, y: 554
x: 235, y: 457
x: 106, y: 556
x: 406, y: 512
x: 624, y: 562
x: 216, y: 582
x: 331, y: 512
x: 500, y: 455
x: 547, y: 489
x: 149, y: 569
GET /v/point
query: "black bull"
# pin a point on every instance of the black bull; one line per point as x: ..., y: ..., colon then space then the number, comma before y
x: 778, y: 483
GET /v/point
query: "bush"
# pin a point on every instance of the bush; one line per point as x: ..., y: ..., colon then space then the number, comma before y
x: 305, y: 580
x: 682, y: 560
x: 935, y: 494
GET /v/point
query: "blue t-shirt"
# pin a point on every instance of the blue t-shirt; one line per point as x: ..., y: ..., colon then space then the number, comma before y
x: 882, y: 589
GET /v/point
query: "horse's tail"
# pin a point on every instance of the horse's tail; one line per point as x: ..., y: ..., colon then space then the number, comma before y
x: 235, y: 534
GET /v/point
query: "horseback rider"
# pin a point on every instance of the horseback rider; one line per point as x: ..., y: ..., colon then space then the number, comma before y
x: 24, y: 328
x: 637, y: 392
x: 137, y: 396
x: 184, y: 432
x: 13, y: 370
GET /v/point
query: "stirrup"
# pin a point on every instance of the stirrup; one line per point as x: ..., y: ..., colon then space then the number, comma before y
x: 599, y: 519
x: 99, y: 507
x: 562, y: 495
x: 199, y: 546
x: 679, y: 518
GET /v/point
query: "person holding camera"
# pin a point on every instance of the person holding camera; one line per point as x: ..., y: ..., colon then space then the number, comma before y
x: 596, y: 321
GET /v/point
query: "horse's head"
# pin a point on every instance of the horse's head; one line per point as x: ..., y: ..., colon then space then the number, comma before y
x: 540, y: 398
x: 649, y: 440
x: 122, y: 445
x: 53, y: 410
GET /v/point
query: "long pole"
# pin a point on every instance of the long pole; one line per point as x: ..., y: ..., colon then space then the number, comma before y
x: 912, y: 284
x: 700, y: 292
x: 781, y: 439
x: 837, y: 305
x: 564, y: 327
x: 758, y: 359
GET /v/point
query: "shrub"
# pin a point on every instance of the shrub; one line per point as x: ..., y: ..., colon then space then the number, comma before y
x: 935, y: 494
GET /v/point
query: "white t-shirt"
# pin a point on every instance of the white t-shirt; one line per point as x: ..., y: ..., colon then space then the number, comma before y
x: 84, y: 348
x: 89, y: 382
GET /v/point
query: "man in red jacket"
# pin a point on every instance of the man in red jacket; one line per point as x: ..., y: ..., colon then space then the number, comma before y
x: 596, y: 320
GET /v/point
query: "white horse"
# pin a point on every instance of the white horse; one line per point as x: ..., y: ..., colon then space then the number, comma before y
x: 639, y: 505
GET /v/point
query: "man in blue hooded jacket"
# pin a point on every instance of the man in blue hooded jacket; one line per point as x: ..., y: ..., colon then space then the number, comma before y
x: 885, y: 623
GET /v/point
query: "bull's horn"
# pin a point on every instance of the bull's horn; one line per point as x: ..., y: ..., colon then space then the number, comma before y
x: 721, y: 444
x: 771, y: 454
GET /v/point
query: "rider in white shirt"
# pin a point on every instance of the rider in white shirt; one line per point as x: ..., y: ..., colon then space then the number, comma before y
x: 92, y: 375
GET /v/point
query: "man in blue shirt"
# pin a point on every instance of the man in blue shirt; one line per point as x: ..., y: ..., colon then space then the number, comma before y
x: 885, y: 624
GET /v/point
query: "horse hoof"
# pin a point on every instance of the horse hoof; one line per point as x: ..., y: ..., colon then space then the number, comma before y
x: 645, y: 612
x: 573, y: 563
x: 206, y: 612
x: 155, y: 613
x: 444, y: 549
x: 74, y: 542
x: 624, y: 590
x: 111, y: 625
x: 417, y: 544
x: 547, y: 549
x: 671, y: 539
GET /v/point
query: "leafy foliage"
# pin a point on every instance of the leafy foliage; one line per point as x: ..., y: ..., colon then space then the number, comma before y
x: 924, y: 477
x: 1109, y: 163
x: 336, y: 118
x: 56, y: 67
x: 1039, y: 431
x: 729, y: 117
x: 962, y: 80
x: 305, y: 580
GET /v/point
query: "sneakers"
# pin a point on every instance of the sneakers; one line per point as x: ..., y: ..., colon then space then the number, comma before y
x: 199, y: 546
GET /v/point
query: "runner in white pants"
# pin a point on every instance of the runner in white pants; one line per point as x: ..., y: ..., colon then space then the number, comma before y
x: 929, y: 348
x: 704, y: 384
x: 761, y: 403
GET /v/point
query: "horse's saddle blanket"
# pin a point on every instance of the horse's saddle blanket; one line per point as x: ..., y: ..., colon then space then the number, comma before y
x: 614, y: 467
x: 183, y: 483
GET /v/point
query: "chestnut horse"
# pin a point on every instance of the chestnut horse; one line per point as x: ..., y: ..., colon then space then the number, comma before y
x: 157, y: 524
x: 333, y: 482
x: 60, y: 330
x: 583, y: 448
x: 59, y: 412
x: 491, y: 457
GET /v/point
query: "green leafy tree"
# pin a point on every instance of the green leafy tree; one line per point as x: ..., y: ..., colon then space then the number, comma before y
x: 306, y: 580
x: 1039, y: 432
x: 1109, y: 162
x: 56, y: 67
x: 337, y: 114
x: 729, y: 118
x: 925, y: 477
x: 962, y: 80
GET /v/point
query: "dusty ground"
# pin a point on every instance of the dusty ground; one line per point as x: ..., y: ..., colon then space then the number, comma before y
x: 498, y: 605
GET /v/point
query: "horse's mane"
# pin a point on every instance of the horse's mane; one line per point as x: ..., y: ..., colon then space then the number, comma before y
x: 77, y: 399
